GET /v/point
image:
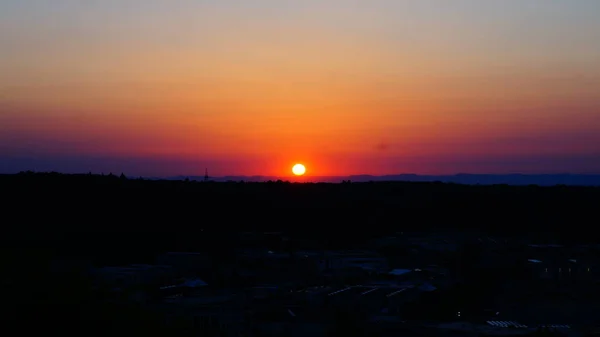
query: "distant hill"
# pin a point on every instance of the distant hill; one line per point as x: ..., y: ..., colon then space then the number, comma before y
x: 468, y: 179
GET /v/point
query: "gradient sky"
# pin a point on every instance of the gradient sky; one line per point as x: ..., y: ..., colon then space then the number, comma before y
x: 153, y: 87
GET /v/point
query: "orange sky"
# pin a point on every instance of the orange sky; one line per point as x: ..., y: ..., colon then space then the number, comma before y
x: 377, y: 89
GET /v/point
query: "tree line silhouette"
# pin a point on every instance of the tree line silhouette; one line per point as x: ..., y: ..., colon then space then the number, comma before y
x: 86, y: 209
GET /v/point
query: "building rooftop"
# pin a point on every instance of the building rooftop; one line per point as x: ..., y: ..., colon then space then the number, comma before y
x: 400, y: 271
x: 194, y: 283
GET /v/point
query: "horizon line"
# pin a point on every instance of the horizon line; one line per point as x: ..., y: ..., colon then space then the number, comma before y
x: 314, y: 176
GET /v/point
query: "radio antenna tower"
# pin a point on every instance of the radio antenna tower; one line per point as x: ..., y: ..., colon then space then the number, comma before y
x: 206, y: 175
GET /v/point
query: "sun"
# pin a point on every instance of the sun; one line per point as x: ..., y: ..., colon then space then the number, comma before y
x: 299, y: 169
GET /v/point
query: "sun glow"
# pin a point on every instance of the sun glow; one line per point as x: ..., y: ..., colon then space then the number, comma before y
x: 298, y: 169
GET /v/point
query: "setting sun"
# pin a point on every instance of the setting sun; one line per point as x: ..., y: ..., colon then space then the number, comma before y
x: 299, y: 169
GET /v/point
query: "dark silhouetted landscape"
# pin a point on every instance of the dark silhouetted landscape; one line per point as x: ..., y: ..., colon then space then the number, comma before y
x: 468, y: 179
x: 336, y: 168
x: 210, y: 258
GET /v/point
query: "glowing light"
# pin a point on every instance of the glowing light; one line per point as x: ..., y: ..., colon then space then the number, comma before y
x: 299, y: 169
